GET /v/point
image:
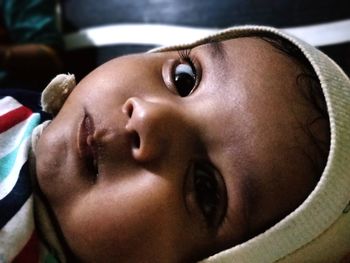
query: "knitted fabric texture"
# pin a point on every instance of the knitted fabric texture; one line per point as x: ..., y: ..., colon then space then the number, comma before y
x: 319, y: 229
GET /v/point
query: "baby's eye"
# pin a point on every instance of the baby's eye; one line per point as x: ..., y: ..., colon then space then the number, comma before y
x: 184, y: 79
x: 185, y: 75
x: 208, y: 193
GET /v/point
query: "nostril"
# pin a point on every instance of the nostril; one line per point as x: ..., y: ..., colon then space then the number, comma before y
x: 135, y: 140
x: 128, y: 108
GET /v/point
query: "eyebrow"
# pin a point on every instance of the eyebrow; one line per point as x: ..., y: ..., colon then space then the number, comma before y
x: 249, y: 193
x: 217, y: 50
x: 219, y: 59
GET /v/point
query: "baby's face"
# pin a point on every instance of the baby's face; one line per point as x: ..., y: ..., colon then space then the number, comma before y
x: 134, y: 172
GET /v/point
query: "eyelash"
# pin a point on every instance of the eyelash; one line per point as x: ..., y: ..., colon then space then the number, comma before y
x: 185, y: 56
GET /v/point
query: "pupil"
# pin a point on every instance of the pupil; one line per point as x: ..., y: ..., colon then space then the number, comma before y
x: 207, y: 194
x: 184, y: 83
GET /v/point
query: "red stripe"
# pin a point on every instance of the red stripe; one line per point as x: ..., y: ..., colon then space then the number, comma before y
x: 14, y: 117
x: 30, y: 253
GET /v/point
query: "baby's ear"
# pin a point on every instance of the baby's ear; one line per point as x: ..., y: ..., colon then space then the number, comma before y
x: 56, y: 93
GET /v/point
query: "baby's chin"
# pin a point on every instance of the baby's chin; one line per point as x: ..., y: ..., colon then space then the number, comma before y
x: 37, y: 132
x: 41, y: 151
x: 45, y: 221
x: 35, y: 137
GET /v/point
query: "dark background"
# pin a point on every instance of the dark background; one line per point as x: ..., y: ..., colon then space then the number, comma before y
x: 82, y: 14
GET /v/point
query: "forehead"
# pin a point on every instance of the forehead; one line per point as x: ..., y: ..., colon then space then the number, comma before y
x: 246, y: 73
x: 251, y: 60
x: 253, y: 86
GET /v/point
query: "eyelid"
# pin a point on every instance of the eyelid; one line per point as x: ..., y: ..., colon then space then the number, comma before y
x: 167, y: 69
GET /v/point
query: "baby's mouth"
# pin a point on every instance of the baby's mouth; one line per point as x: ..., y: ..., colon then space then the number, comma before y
x: 87, y: 146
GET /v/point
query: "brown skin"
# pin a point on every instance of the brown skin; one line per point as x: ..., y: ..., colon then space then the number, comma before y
x: 241, y: 119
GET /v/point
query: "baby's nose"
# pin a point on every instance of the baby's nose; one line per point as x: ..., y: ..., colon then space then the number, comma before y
x: 148, y: 128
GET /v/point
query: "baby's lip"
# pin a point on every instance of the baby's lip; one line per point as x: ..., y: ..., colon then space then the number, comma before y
x: 87, y: 148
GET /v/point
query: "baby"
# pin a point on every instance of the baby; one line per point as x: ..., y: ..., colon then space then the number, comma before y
x: 186, y: 151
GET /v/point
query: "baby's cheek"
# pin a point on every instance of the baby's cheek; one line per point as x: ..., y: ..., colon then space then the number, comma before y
x: 89, y: 230
x: 110, y: 222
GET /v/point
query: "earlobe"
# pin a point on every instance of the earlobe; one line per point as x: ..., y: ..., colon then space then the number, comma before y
x: 56, y: 93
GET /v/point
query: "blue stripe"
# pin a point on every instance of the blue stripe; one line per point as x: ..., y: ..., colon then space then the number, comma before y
x: 13, y: 202
x: 8, y: 161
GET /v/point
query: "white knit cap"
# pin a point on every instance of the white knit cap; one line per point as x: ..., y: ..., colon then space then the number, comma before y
x: 319, y: 229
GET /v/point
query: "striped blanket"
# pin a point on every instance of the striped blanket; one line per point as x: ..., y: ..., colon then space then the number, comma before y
x: 18, y: 240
